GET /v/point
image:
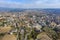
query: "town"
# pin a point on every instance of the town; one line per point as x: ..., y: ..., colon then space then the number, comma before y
x: 29, y: 25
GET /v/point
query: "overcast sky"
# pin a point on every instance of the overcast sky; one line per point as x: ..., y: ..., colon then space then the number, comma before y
x: 30, y: 3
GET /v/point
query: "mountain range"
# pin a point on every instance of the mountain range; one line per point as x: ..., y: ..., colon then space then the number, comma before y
x: 46, y: 10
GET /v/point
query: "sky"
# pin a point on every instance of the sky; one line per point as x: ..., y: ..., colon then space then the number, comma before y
x: 30, y: 3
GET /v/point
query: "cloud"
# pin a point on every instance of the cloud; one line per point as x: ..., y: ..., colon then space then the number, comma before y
x: 30, y: 3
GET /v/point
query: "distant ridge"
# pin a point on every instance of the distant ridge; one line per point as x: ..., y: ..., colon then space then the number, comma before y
x: 51, y: 11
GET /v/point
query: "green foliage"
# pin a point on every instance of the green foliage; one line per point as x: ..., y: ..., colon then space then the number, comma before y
x: 1, y: 24
x: 2, y: 34
x: 34, y: 34
x: 58, y: 35
x: 50, y: 32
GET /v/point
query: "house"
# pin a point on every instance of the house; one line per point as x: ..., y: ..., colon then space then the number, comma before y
x: 53, y: 24
x: 37, y: 27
